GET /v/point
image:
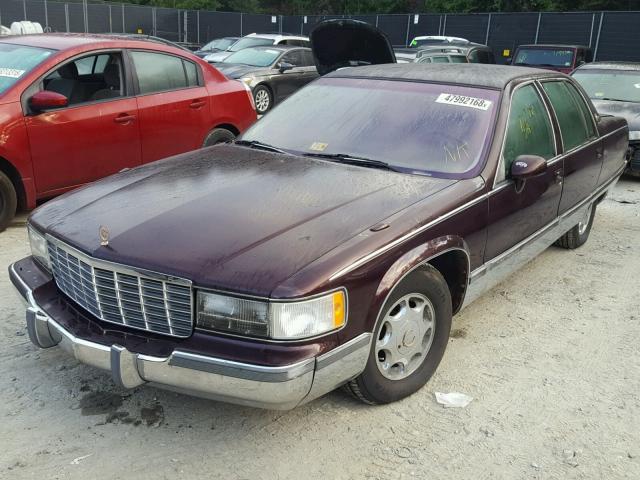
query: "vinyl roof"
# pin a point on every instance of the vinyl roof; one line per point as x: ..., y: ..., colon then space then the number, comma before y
x: 472, y: 74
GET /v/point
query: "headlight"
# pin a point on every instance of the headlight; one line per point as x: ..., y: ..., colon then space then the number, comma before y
x: 635, y: 135
x: 246, y: 80
x: 275, y: 320
x: 39, y: 248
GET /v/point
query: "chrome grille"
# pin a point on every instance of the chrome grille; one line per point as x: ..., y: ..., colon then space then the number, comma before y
x: 120, y: 296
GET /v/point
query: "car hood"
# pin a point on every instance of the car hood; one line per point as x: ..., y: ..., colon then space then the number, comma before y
x: 238, y: 70
x: 630, y: 111
x: 344, y: 43
x: 217, y: 56
x: 230, y: 217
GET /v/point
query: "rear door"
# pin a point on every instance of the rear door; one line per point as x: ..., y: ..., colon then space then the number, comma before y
x: 95, y: 135
x: 173, y: 104
x: 518, y: 211
x: 583, y: 151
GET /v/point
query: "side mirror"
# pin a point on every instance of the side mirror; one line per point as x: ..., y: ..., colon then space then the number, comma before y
x: 46, y: 100
x: 527, y: 166
x: 284, y: 66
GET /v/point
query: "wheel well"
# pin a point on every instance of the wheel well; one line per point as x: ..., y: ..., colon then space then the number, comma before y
x: 454, y: 267
x: 228, y: 126
x: 10, y: 171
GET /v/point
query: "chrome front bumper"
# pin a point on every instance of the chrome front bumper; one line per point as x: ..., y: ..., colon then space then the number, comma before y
x: 280, y: 388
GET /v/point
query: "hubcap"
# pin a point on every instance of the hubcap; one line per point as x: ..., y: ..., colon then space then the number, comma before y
x: 584, y: 223
x: 262, y: 100
x: 405, y: 336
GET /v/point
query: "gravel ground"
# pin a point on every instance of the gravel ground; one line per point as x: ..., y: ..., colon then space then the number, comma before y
x: 550, y: 356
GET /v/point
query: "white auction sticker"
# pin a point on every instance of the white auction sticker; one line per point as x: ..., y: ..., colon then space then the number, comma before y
x: 10, y: 72
x: 464, y: 101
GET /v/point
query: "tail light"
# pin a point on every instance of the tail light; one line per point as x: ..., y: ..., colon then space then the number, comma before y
x: 249, y: 94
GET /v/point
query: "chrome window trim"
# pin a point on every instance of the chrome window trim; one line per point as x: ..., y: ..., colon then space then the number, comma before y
x: 500, y: 166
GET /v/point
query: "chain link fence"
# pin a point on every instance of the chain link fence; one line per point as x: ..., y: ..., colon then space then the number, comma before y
x: 612, y: 35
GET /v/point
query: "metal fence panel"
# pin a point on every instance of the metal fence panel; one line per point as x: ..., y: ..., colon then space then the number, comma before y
x: 252, y: 23
x: 219, y: 24
x: 426, y: 25
x: 98, y: 18
x: 11, y: 11
x: 508, y: 30
x: 167, y: 23
x: 395, y: 26
x: 571, y: 28
x: 471, y: 27
x: 616, y: 35
x: 36, y: 12
x: 57, y: 16
x: 76, y: 17
x: 292, y: 24
x: 138, y: 18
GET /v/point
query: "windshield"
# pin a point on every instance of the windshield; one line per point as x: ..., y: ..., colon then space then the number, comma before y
x: 219, y: 44
x: 256, y: 57
x: 426, y: 128
x: 553, y: 57
x: 16, y: 60
x: 610, y: 84
x: 247, y: 42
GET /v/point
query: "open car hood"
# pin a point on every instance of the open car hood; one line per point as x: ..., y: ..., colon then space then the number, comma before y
x: 348, y: 43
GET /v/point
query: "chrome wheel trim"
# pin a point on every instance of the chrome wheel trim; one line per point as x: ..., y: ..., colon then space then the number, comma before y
x: 405, y: 336
x: 584, y: 223
x: 262, y: 100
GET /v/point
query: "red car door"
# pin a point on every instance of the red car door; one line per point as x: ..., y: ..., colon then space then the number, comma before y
x: 173, y: 104
x: 95, y: 135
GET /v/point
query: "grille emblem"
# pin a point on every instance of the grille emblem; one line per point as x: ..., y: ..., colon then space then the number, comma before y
x: 104, y: 235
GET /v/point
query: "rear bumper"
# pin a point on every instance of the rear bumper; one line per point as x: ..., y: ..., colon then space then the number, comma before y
x: 273, y: 387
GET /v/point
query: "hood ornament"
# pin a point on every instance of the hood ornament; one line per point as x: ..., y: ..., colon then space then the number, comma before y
x: 103, y: 232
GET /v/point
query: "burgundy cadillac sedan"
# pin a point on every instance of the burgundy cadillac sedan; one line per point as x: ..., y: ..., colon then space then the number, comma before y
x: 332, y: 244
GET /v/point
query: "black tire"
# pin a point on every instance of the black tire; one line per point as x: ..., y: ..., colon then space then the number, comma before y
x: 218, y: 135
x: 8, y: 201
x: 260, y: 92
x: 371, y: 386
x: 578, y: 235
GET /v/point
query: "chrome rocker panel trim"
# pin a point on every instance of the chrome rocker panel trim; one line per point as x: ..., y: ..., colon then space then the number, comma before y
x: 278, y: 388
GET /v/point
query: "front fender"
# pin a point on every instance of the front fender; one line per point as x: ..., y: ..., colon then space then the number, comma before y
x: 425, y: 253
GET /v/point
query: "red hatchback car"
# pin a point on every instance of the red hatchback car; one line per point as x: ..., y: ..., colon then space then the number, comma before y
x: 76, y: 108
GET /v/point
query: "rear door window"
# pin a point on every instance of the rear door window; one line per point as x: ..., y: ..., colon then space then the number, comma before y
x: 158, y: 72
x: 529, y: 131
x: 574, y: 116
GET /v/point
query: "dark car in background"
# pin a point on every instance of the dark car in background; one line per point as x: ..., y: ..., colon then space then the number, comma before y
x: 614, y: 89
x: 217, y: 45
x: 561, y: 58
x: 257, y: 40
x: 272, y: 73
x: 475, y: 52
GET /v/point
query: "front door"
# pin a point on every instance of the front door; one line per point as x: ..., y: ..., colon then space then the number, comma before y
x: 173, y: 104
x: 516, y: 211
x: 95, y: 135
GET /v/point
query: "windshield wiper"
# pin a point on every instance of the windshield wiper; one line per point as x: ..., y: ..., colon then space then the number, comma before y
x: 259, y: 146
x: 352, y: 160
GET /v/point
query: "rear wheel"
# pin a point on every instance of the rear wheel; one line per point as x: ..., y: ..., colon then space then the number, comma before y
x: 218, y: 135
x: 8, y: 201
x: 579, y: 234
x: 263, y: 99
x: 409, y: 339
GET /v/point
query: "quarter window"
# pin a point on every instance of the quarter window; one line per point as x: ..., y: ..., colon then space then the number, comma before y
x: 573, y: 114
x: 529, y: 131
x: 158, y: 72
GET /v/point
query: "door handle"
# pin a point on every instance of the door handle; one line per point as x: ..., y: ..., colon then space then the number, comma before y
x: 124, y: 118
x: 197, y: 104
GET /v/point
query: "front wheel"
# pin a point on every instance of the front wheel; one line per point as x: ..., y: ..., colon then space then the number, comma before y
x: 409, y: 339
x: 8, y: 201
x: 579, y: 234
